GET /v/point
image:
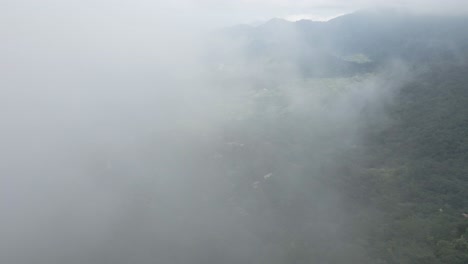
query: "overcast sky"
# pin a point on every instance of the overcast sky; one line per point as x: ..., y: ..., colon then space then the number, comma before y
x: 203, y: 12
x: 235, y: 11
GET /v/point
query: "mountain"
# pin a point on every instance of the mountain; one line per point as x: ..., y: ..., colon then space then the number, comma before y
x: 402, y: 182
x: 322, y: 48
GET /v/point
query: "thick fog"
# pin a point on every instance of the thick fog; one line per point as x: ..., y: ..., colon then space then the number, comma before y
x: 130, y: 134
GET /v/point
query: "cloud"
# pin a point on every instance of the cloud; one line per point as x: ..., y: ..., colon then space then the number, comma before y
x: 235, y: 11
x: 200, y: 13
x: 111, y: 130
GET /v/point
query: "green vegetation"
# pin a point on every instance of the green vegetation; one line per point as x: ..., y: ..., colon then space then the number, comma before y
x: 417, y: 172
x: 394, y: 195
x: 381, y: 180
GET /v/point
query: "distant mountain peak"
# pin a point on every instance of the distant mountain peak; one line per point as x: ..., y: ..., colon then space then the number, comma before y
x: 275, y: 22
x: 278, y: 20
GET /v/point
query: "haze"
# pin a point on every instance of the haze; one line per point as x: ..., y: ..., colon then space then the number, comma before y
x: 164, y: 132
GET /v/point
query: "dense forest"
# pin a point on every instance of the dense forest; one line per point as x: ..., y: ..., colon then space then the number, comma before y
x: 392, y: 191
x: 415, y: 172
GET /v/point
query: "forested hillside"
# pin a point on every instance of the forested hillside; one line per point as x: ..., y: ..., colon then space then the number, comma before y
x: 394, y: 190
x: 415, y: 172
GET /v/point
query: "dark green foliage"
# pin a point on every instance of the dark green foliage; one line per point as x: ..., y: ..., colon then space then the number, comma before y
x: 419, y: 174
x: 402, y: 188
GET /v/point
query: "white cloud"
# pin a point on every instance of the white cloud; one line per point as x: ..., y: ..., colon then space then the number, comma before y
x: 202, y: 13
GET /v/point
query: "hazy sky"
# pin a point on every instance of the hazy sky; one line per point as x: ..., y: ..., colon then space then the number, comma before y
x: 247, y: 10
x: 205, y: 12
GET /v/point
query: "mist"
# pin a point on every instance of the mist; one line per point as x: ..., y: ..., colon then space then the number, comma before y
x: 148, y: 133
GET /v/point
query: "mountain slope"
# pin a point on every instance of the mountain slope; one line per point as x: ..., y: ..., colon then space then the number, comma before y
x: 403, y: 183
x: 321, y: 48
